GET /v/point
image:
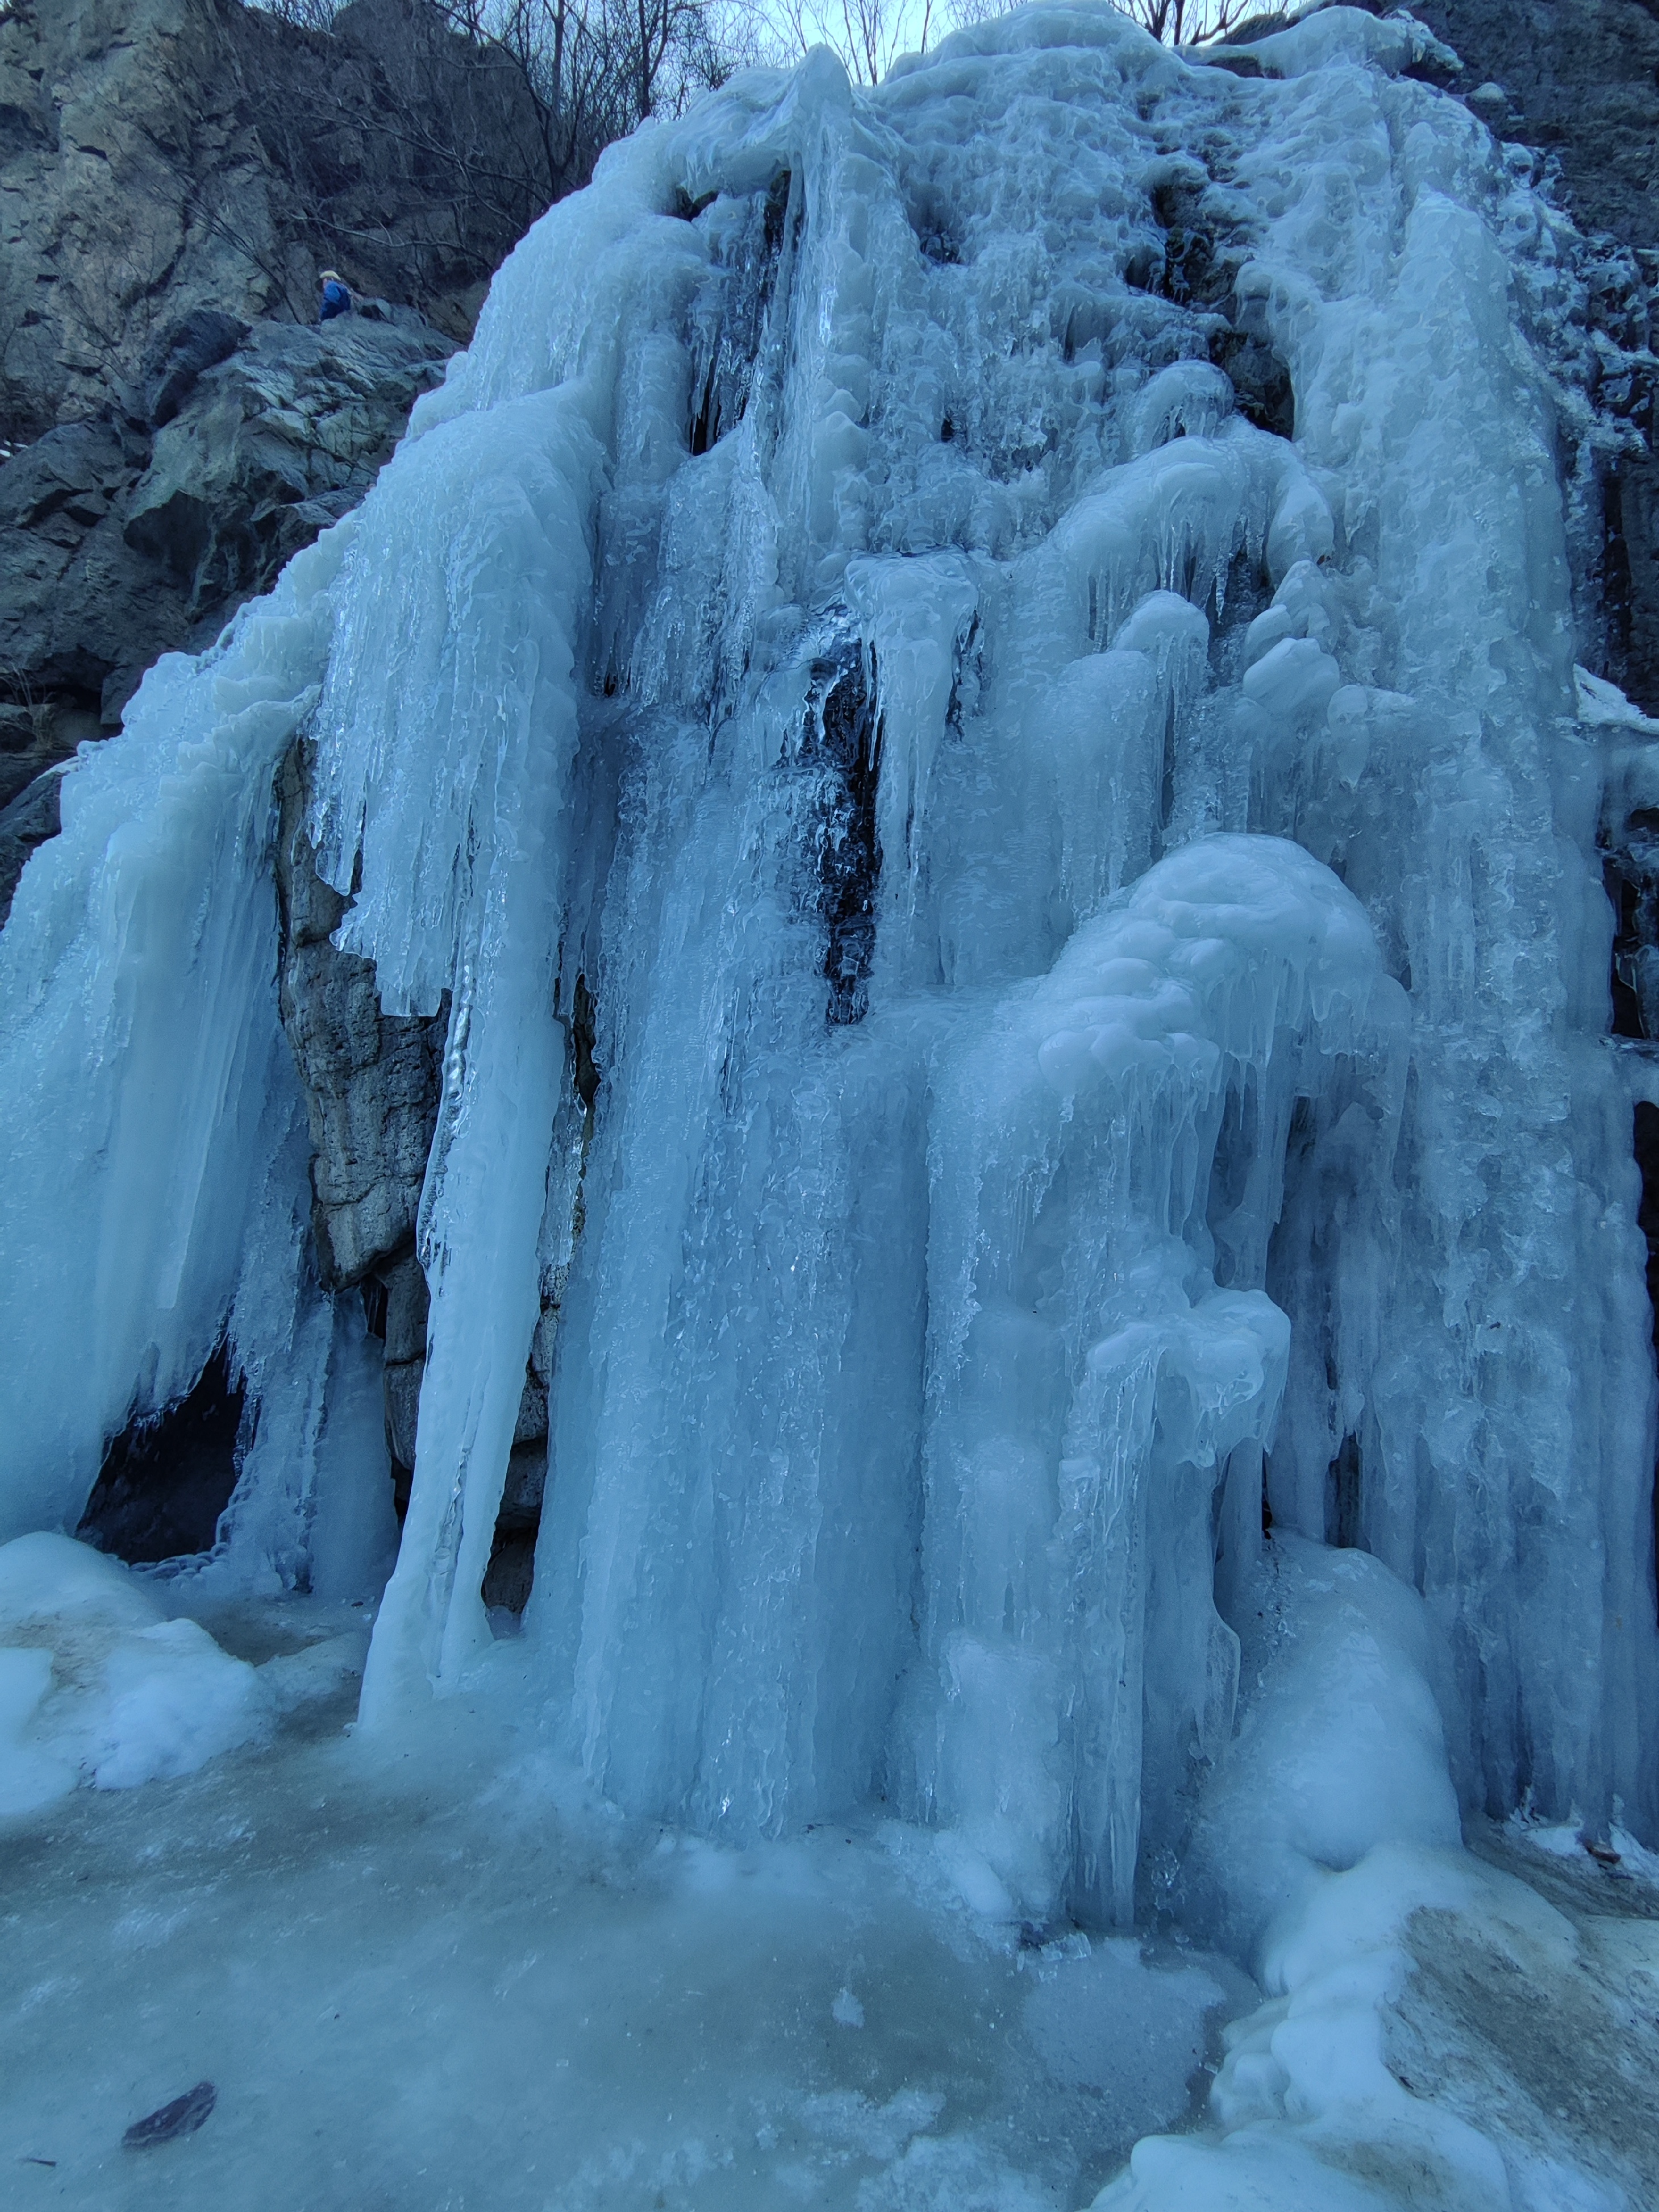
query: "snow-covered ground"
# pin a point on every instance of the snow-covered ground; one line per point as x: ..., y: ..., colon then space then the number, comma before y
x: 430, y: 1969
x: 434, y: 1974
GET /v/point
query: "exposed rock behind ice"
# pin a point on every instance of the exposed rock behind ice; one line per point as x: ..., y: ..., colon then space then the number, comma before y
x: 119, y: 543
x: 271, y: 444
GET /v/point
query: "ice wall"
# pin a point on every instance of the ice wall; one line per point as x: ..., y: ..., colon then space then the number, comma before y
x: 1100, y: 963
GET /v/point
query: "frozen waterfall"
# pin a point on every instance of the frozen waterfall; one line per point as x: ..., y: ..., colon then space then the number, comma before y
x: 1009, y: 638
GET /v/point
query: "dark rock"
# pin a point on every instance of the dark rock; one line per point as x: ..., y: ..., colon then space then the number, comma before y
x: 36, y: 737
x: 1259, y: 377
x: 160, y: 158
x: 174, y: 170
x: 73, y: 471
x: 28, y: 821
x: 202, y: 340
x: 511, y: 1572
x: 167, y: 2122
x: 276, y: 442
x: 164, y: 1481
x: 371, y: 1083
x: 1581, y: 78
x: 116, y: 546
x: 404, y: 1282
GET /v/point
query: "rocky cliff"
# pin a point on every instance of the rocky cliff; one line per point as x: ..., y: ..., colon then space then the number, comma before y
x: 141, y: 529
x: 161, y: 156
x: 173, y: 173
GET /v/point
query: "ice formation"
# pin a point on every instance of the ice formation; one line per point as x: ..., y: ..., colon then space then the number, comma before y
x: 1101, y: 978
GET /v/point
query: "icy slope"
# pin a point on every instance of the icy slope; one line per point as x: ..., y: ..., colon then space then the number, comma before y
x: 1099, y: 958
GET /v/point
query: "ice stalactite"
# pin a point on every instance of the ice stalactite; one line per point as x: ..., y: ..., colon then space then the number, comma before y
x: 1007, y: 641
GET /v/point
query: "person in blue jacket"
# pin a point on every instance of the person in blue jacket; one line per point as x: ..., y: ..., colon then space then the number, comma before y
x: 337, y: 299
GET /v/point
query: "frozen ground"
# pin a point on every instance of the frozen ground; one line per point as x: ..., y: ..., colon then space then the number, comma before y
x: 437, y: 1979
x: 433, y: 1971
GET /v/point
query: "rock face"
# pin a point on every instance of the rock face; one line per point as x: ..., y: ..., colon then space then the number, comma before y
x: 158, y: 157
x: 371, y: 1083
x: 121, y: 539
x: 1578, y: 79
x: 271, y: 446
x: 75, y: 600
x: 173, y: 173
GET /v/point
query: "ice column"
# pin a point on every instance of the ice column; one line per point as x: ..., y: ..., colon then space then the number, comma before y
x: 154, y: 1121
x: 444, y: 742
x: 1090, y: 1377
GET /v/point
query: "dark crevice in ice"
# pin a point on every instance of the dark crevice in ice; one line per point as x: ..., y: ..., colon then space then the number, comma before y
x: 729, y: 323
x: 1629, y: 865
x: 511, y: 1573
x: 1198, y: 266
x: 843, y: 736
x: 395, y: 1305
x: 168, y: 1476
x: 1197, y: 269
x: 512, y: 1569
x: 1260, y: 379
x: 935, y: 232
x: 1342, y: 1497
x: 1630, y: 870
x: 1647, y: 1160
x: 584, y: 1074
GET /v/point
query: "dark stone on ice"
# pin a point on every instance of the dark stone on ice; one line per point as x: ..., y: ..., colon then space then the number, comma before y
x: 181, y: 2117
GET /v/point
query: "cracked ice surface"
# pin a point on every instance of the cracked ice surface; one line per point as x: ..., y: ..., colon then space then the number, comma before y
x: 1101, y: 972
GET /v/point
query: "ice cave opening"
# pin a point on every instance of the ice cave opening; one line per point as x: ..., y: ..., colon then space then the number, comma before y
x: 869, y: 1049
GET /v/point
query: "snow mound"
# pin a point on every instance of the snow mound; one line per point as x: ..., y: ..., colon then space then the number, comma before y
x: 97, y: 1684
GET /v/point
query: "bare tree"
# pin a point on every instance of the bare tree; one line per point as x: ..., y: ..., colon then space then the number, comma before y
x: 308, y: 15
x: 1188, y: 22
x: 869, y: 35
x: 585, y: 71
x: 1177, y: 23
